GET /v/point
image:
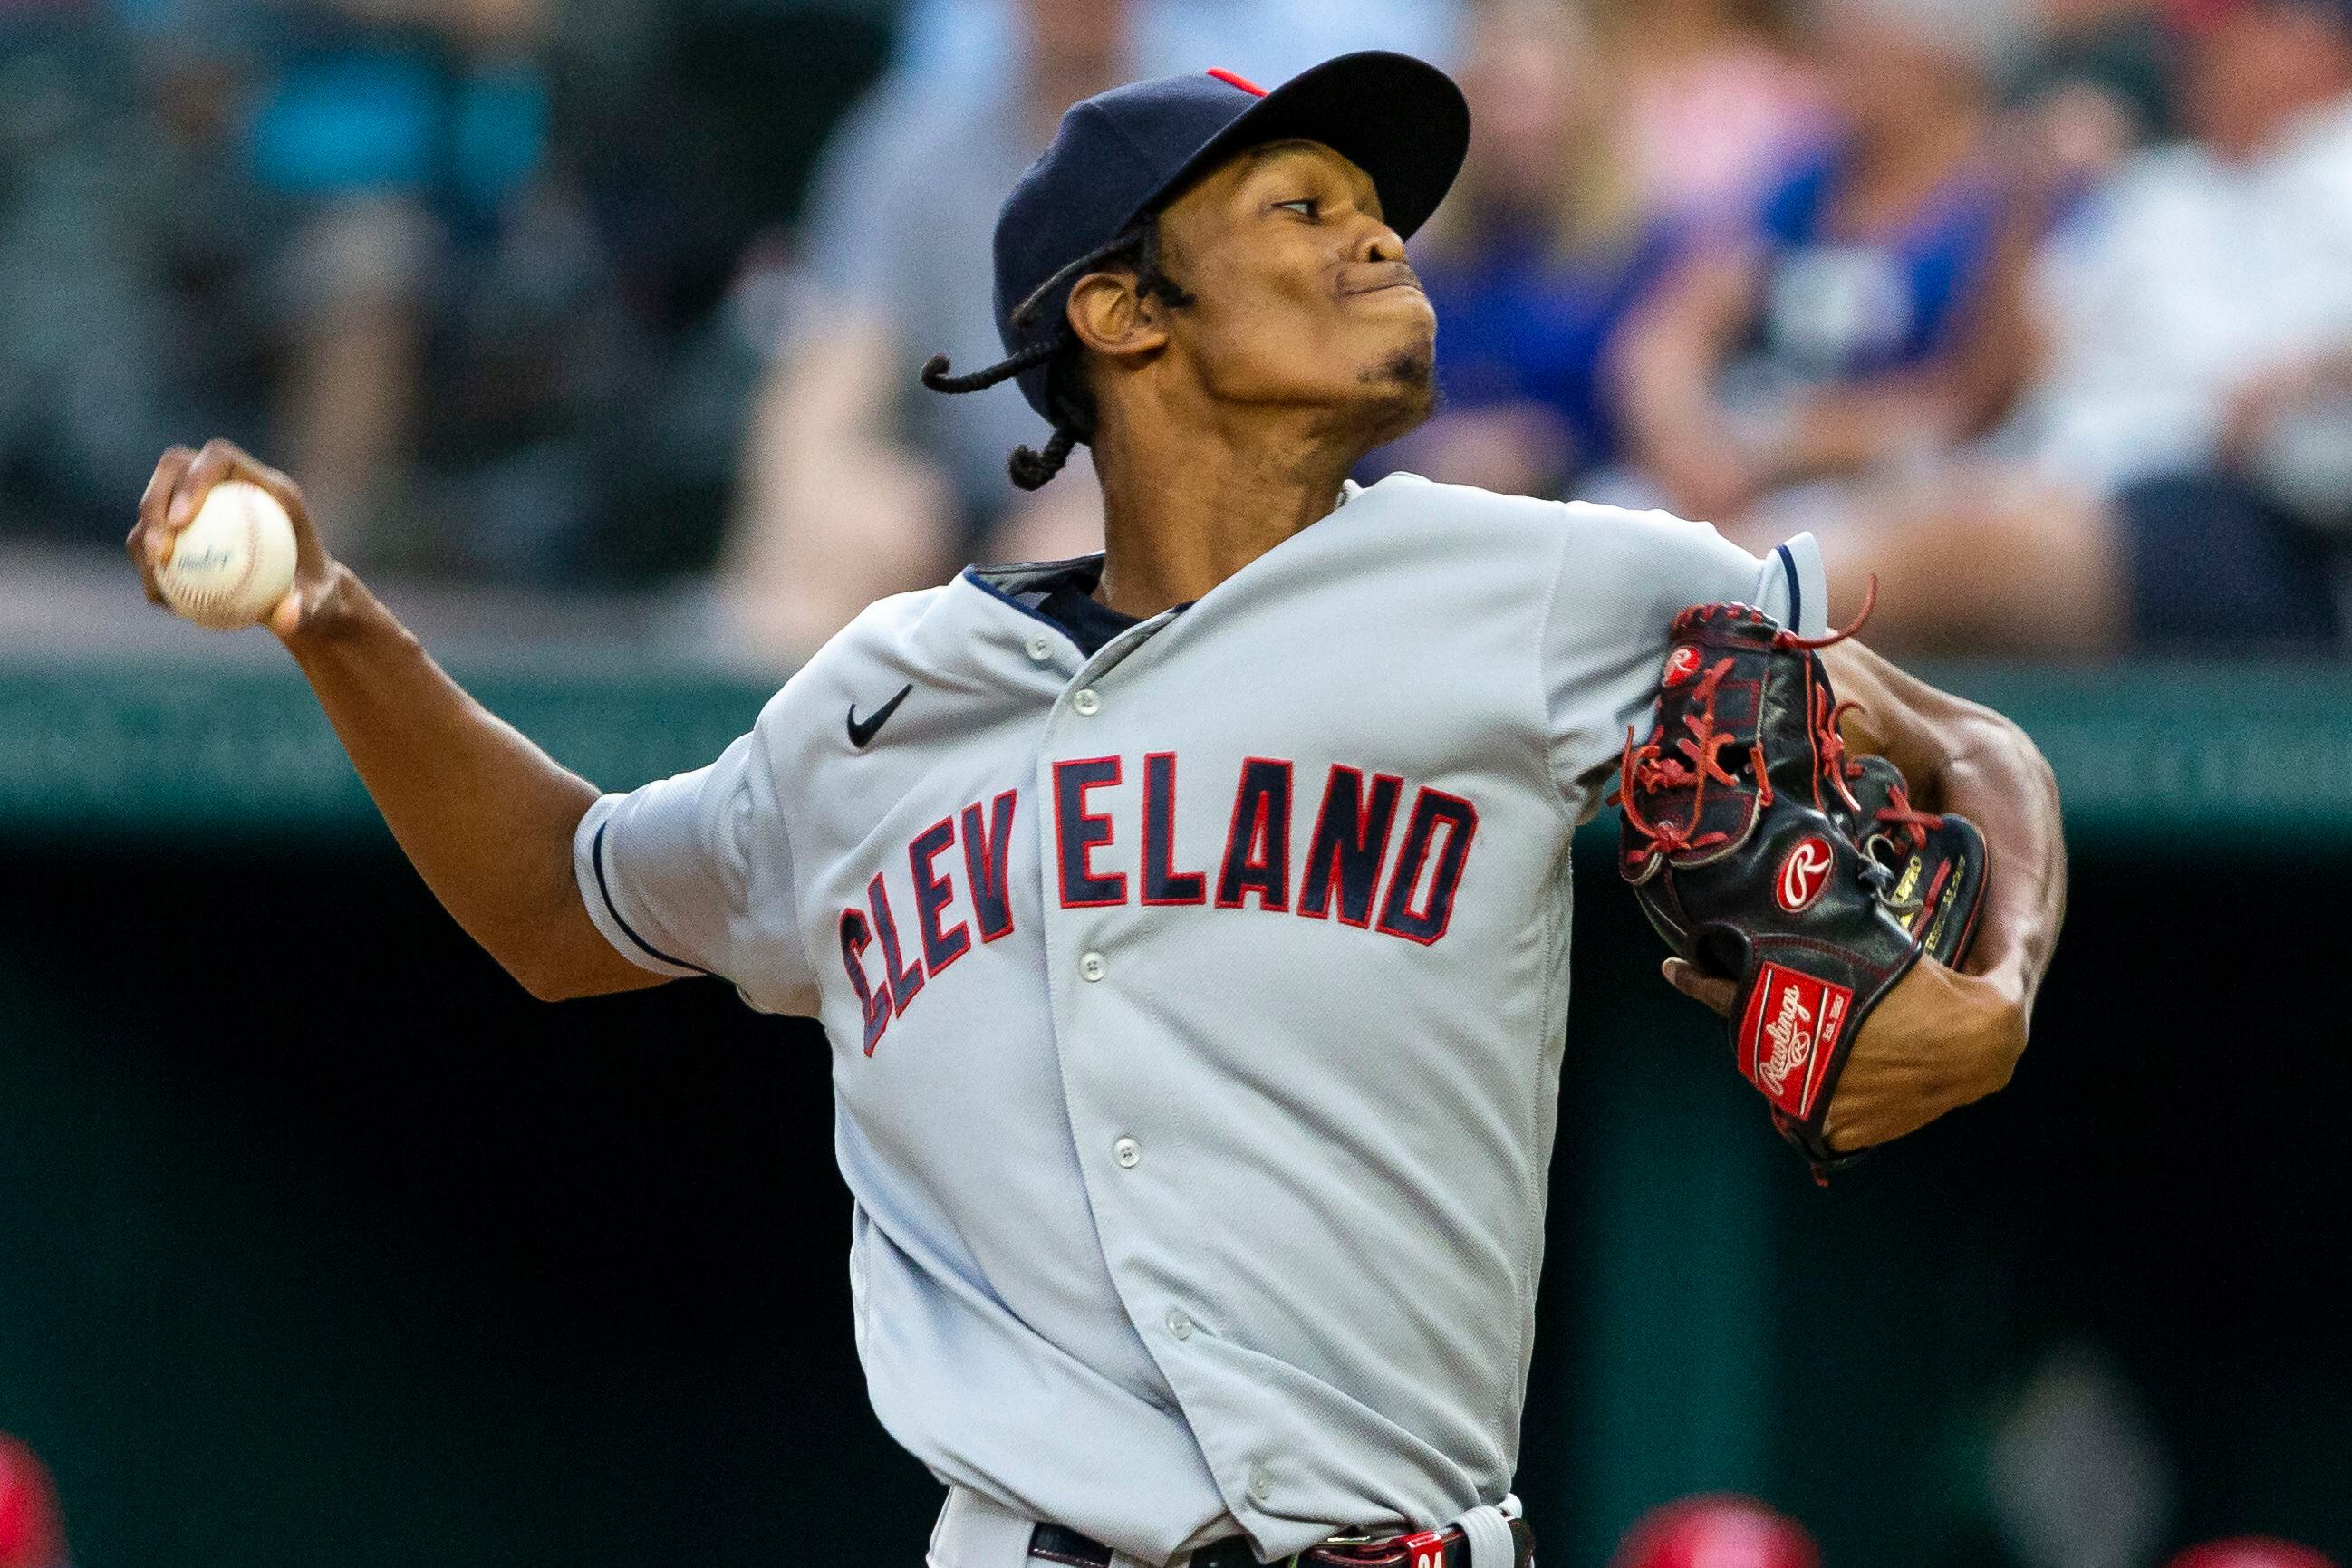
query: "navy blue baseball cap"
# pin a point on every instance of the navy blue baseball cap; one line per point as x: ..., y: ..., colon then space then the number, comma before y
x: 1128, y: 151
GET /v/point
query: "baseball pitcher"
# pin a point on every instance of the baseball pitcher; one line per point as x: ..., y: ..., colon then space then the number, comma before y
x: 1190, y: 922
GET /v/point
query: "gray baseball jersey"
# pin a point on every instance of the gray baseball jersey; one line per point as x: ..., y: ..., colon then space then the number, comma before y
x: 1196, y: 1005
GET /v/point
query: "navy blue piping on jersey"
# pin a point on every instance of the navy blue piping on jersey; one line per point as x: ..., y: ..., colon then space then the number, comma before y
x: 596, y: 856
x: 1796, y: 594
x: 971, y: 574
x: 1098, y: 625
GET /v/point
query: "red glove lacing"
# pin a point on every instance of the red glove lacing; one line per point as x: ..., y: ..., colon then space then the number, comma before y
x: 1646, y: 767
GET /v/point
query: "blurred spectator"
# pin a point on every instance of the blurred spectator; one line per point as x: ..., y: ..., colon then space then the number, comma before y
x: 857, y: 483
x: 1719, y: 1532
x: 282, y: 223
x: 1534, y: 261
x: 2210, y: 289
x: 89, y: 330
x: 2252, y: 1551
x: 1870, y: 315
x: 690, y: 131
x: 1266, y: 40
x: 2181, y: 477
x: 1714, y: 103
x: 2095, y: 82
x: 429, y: 242
x: 32, y: 1528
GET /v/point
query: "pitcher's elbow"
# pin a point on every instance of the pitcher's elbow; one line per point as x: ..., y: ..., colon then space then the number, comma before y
x: 542, y: 987
x: 546, y: 982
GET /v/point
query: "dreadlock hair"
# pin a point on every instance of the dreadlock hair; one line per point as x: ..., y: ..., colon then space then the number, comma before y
x: 1069, y: 400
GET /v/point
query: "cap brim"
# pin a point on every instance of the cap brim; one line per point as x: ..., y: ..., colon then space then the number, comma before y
x: 1399, y: 120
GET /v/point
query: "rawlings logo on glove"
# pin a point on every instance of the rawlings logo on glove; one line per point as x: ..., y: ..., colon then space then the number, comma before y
x: 1799, y: 1018
x: 1744, y: 785
x: 1803, y: 873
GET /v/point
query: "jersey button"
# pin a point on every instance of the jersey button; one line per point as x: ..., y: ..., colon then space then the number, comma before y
x: 1179, y: 1324
x: 1260, y: 1484
x: 1041, y: 647
x: 1126, y: 1151
x: 1087, y: 703
x: 1092, y: 966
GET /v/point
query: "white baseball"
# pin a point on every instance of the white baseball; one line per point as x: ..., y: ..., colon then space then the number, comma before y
x: 234, y: 562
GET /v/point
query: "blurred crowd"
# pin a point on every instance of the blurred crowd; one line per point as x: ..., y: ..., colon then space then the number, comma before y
x: 2040, y: 311
x: 494, y: 278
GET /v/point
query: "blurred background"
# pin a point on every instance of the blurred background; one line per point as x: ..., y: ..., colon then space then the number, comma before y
x: 591, y: 327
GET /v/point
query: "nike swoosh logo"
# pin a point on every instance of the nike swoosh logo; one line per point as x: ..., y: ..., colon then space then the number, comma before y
x: 862, y: 732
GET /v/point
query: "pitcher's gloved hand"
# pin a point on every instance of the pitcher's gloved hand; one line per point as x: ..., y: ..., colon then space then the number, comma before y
x: 1799, y: 888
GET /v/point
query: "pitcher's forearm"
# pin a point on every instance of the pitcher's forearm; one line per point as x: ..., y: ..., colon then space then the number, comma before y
x: 486, y: 817
x: 1996, y: 778
x: 1966, y: 758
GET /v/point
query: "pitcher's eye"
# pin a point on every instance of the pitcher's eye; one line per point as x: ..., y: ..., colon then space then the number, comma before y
x: 1306, y: 205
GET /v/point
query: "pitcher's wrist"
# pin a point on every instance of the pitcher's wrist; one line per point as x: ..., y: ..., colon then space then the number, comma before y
x: 340, y: 609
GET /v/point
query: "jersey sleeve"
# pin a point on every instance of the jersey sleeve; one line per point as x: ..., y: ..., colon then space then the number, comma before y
x: 694, y: 875
x: 1623, y: 579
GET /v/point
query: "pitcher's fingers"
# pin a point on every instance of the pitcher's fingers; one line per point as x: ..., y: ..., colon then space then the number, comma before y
x: 1700, y: 986
x: 285, y: 618
x: 150, y: 540
x: 147, y: 583
x: 280, y: 488
x: 1874, y: 1118
x: 154, y: 501
x: 1846, y: 1133
x: 135, y: 546
x: 219, y: 460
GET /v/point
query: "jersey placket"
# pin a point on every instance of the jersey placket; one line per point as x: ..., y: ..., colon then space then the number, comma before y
x: 1094, y: 945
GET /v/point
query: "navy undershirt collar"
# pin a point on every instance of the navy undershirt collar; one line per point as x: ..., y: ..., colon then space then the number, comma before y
x: 1062, y: 591
x: 1089, y: 621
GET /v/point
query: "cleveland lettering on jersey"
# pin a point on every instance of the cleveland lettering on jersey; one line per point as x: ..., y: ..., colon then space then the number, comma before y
x: 985, y: 846
x: 1354, y: 839
x: 1257, y: 845
x: 1349, y: 842
x: 1442, y: 820
x: 941, y: 946
x: 1080, y: 832
x: 1162, y: 883
x: 875, y: 1007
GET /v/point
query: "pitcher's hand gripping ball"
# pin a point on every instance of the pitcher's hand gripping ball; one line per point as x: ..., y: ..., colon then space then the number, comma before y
x: 1762, y: 852
x: 234, y: 562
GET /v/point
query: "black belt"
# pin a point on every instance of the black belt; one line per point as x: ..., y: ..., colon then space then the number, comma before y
x: 1431, y: 1549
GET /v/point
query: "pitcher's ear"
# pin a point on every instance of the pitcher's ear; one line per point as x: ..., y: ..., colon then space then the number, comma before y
x: 1108, y: 315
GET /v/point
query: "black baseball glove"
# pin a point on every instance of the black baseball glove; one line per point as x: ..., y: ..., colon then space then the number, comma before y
x: 1762, y: 852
